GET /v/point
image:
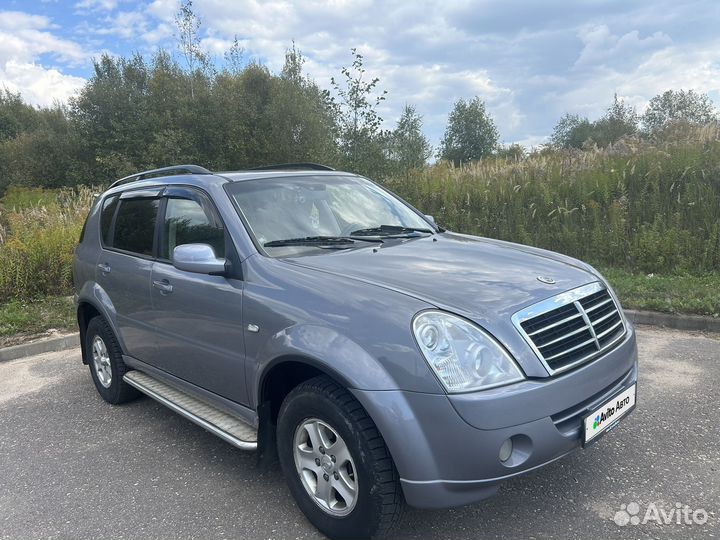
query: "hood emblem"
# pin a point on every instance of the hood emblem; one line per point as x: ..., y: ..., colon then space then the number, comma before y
x: 545, y: 279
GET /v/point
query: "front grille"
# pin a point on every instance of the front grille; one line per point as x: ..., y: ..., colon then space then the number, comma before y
x: 573, y: 327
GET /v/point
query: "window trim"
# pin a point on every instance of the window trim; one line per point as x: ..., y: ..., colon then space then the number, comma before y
x: 193, y: 193
x: 150, y: 193
x: 234, y: 270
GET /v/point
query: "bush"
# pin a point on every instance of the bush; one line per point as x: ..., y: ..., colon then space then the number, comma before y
x: 39, y: 233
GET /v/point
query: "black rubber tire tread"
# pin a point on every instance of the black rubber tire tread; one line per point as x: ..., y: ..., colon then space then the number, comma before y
x: 387, y: 503
x: 119, y: 391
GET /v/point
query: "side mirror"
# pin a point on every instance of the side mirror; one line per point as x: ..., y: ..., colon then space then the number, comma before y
x: 198, y: 258
x: 431, y: 219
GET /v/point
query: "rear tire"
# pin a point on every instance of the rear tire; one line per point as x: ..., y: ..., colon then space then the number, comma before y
x: 104, y: 357
x: 318, y: 420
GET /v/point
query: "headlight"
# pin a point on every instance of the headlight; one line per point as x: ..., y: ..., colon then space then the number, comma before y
x: 463, y: 356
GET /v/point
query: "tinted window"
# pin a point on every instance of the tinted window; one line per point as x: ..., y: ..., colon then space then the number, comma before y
x: 135, y: 225
x: 108, y: 211
x: 192, y: 222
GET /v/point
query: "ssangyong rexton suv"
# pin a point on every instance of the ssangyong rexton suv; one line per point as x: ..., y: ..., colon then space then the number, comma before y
x: 317, y: 318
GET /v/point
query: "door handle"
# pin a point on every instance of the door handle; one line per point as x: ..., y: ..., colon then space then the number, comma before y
x: 163, y: 286
x: 104, y: 268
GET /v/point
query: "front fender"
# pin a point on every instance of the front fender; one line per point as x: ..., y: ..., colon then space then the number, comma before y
x: 325, y: 349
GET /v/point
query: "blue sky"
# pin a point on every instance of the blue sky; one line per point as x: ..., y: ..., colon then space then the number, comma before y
x: 530, y: 61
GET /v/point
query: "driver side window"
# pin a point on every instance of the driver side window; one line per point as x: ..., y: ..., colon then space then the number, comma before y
x: 190, y: 222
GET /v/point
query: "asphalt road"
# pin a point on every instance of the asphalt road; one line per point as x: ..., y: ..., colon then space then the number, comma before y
x: 72, y: 466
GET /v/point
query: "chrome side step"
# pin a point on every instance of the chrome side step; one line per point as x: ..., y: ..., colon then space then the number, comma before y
x: 227, y: 427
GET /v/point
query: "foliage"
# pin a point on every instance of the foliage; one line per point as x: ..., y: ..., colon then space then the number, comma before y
x: 409, y: 148
x: 362, y: 141
x: 637, y: 205
x: 38, y: 235
x: 673, y: 107
x: 470, y: 133
x: 573, y: 131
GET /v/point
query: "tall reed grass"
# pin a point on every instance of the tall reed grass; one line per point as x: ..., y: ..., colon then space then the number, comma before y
x: 38, y: 233
x: 637, y: 205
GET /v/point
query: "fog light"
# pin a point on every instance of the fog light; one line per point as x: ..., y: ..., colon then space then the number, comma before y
x: 506, y: 450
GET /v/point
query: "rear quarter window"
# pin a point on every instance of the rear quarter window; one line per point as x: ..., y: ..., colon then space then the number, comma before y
x: 106, y: 217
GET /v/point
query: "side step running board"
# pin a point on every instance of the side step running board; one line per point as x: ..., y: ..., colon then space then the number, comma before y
x: 217, y: 422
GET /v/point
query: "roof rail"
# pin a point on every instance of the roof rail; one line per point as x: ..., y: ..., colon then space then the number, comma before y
x: 293, y: 166
x: 175, y: 169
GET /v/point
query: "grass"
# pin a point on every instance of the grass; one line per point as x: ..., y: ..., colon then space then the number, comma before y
x: 642, y: 206
x: 38, y: 233
x: 21, y: 320
x: 699, y: 295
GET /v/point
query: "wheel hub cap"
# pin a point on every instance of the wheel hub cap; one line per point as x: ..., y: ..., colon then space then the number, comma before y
x: 325, y: 466
x: 101, y: 362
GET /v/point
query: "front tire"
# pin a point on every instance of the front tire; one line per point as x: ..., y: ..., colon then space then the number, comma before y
x: 104, y: 357
x: 336, y: 463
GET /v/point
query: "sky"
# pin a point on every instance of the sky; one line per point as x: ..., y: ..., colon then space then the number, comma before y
x: 530, y: 61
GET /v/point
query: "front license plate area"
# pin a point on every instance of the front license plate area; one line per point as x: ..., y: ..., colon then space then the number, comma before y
x: 607, y: 415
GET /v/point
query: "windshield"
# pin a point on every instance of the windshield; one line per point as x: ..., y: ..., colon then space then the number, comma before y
x: 278, y: 209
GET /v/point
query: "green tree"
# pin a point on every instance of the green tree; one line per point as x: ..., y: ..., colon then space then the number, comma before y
x: 470, y: 133
x: 409, y: 148
x: 234, y: 57
x: 362, y: 141
x: 188, y: 35
x: 678, y: 107
x: 571, y: 131
x: 112, y: 117
x: 300, y: 121
x: 513, y: 152
x: 618, y: 121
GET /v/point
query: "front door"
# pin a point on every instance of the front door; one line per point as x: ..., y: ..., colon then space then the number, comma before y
x: 197, y: 317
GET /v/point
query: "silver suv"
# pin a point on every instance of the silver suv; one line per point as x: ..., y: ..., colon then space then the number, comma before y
x: 316, y: 318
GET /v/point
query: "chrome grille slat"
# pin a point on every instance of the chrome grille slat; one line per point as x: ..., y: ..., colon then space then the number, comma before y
x: 553, y: 325
x: 564, y: 336
x: 607, y: 316
x: 606, y: 332
x: 595, y: 306
x: 568, y: 345
x: 566, y: 351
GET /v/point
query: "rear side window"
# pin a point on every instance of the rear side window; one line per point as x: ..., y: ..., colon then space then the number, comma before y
x: 106, y: 216
x: 135, y: 225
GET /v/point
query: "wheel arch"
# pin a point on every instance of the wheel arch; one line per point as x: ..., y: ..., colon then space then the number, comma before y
x: 92, y: 301
x: 287, y: 372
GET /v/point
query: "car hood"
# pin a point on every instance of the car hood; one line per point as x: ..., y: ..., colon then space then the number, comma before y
x: 476, y: 277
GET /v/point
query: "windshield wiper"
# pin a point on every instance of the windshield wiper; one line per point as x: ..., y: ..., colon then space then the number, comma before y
x: 390, y: 230
x: 317, y: 241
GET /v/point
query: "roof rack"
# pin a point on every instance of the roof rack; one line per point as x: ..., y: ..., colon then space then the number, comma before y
x: 293, y: 166
x: 174, y: 169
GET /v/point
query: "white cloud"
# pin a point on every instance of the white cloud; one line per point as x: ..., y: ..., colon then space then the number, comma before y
x: 24, y: 39
x: 600, y: 45
x: 96, y: 5
x: 38, y: 85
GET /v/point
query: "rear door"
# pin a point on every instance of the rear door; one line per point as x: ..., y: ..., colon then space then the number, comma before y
x: 198, y: 317
x: 124, y: 267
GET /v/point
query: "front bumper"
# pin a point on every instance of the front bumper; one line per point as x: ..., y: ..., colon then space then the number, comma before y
x: 446, y: 448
